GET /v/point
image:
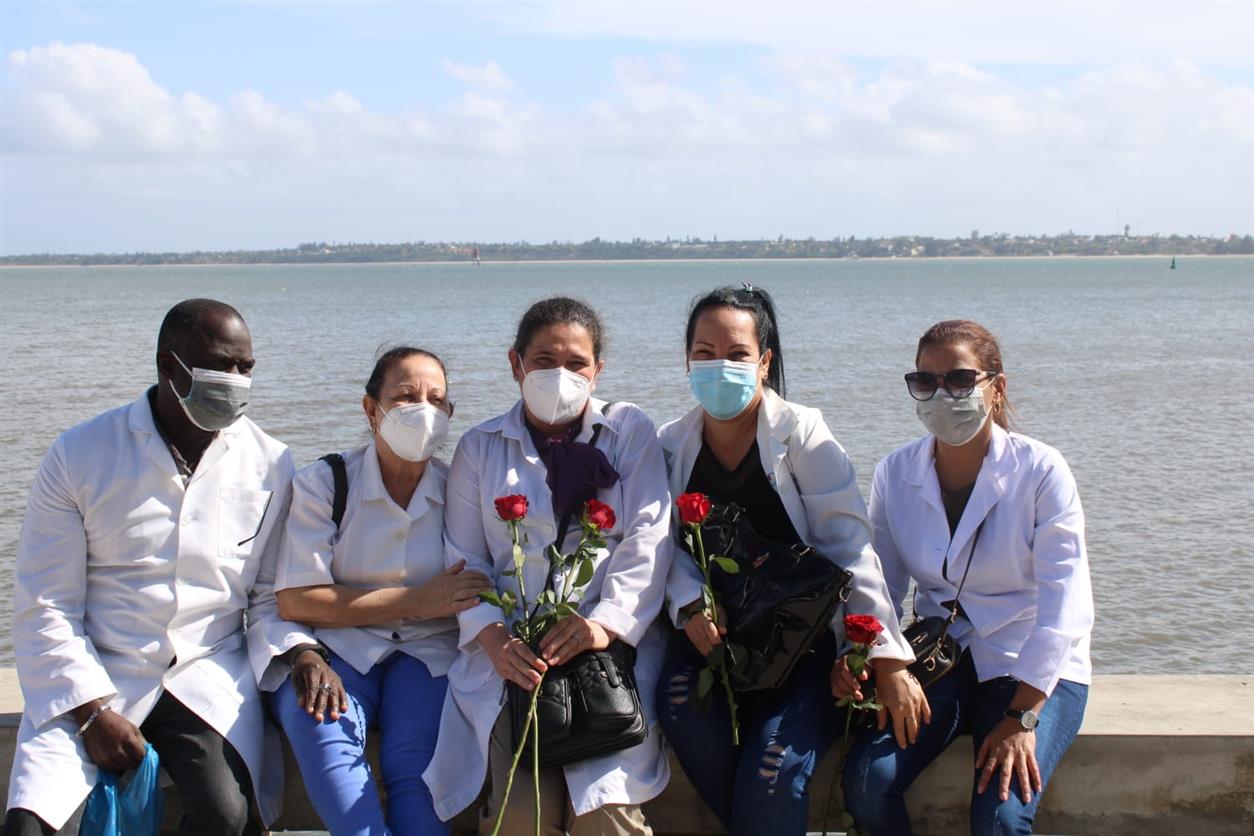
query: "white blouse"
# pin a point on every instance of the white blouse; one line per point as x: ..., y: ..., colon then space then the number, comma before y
x: 1028, y: 596
x: 379, y: 545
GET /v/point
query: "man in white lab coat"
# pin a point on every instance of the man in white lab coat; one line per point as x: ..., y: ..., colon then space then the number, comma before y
x: 149, y: 541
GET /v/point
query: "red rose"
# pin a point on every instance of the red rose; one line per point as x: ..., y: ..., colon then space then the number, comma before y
x: 862, y: 629
x: 693, y: 508
x: 512, y: 507
x: 599, y: 514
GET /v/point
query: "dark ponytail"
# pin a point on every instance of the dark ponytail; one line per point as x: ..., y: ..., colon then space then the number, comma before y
x: 758, y: 302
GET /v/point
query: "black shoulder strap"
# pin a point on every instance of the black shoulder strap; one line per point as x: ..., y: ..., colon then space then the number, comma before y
x: 340, y: 473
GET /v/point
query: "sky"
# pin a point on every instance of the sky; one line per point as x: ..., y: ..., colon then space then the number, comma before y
x: 176, y: 126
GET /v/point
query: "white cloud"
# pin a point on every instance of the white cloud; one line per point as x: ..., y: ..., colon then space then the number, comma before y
x: 809, y: 145
x: 487, y: 76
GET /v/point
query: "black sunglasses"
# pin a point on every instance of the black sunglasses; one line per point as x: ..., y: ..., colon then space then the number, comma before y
x: 958, y: 382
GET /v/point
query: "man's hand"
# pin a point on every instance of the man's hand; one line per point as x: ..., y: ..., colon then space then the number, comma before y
x: 113, y: 742
x: 319, y: 689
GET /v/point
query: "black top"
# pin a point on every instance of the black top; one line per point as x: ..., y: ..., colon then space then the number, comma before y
x: 747, y: 486
x: 955, y: 504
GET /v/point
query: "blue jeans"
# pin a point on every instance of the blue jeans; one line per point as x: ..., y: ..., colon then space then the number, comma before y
x: 403, y: 700
x: 878, y: 773
x: 762, y: 785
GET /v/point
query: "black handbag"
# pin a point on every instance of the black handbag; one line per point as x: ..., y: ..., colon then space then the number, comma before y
x: 778, y: 605
x: 587, y: 706
x: 935, y: 651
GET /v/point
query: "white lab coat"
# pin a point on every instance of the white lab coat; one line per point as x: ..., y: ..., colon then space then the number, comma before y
x: 498, y: 458
x: 816, y: 483
x: 129, y: 583
x: 1028, y: 595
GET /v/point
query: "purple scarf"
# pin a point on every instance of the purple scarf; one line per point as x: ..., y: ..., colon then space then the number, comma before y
x: 576, y: 469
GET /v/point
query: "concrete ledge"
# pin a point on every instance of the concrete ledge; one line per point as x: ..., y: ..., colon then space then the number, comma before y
x: 1161, y: 754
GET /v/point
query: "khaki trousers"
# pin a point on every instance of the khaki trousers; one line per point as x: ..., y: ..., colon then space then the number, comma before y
x: 557, y: 816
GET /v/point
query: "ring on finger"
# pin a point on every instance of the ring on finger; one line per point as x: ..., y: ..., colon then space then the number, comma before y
x: 325, y: 686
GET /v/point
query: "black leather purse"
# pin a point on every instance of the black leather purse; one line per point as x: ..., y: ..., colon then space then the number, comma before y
x: 588, y: 706
x: 935, y: 651
x: 778, y: 605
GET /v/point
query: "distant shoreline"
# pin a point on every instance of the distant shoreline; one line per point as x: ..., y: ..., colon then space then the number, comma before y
x: 489, y: 262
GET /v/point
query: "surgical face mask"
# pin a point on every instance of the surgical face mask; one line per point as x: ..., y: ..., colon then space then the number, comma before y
x: 216, y: 399
x: 555, y: 396
x: 414, y: 431
x: 954, y: 421
x: 724, y: 388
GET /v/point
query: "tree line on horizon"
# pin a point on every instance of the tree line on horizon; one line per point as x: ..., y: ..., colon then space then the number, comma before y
x: 974, y: 245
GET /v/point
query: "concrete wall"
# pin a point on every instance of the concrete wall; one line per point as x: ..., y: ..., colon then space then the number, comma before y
x: 1160, y: 754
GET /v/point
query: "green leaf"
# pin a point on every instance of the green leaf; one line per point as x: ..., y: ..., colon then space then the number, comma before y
x: 492, y: 598
x: 689, y: 546
x: 705, y: 681
x: 739, y: 658
x: 728, y: 565
x: 716, y: 655
x: 508, y: 602
x: 843, y: 701
x: 519, y: 557
x: 586, y: 570
x: 846, y: 820
x: 564, y: 609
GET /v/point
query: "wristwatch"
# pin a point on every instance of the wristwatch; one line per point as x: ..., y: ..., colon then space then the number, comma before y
x: 1027, y: 717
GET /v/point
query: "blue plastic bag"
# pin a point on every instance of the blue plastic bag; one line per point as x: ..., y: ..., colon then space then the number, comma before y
x: 135, y: 811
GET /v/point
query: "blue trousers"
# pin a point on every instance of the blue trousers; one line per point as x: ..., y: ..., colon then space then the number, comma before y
x: 401, y: 698
x: 878, y: 773
x: 762, y: 785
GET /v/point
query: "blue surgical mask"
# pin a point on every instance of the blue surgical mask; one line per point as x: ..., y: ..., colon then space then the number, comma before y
x: 723, y: 387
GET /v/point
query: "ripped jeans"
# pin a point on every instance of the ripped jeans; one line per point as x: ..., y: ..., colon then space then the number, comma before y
x: 762, y: 785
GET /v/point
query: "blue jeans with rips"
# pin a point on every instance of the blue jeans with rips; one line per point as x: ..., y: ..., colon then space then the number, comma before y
x: 403, y: 700
x: 878, y: 772
x: 762, y: 785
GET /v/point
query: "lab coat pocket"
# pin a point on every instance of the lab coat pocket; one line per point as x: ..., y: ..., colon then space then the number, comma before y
x: 241, y: 520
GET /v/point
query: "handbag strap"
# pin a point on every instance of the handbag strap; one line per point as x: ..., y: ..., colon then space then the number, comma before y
x: 953, y: 611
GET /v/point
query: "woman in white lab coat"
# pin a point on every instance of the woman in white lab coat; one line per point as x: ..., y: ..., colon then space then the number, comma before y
x: 744, y: 443
x: 374, y: 587
x: 972, y: 494
x: 559, y: 447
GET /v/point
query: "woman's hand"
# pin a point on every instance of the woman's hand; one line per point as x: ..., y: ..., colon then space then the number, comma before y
x: 843, y: 682
x: 452, y: 591
x: 511, y: 657
x: 703, y: 633
x: 571, y: 636
x: 319, y: 689
x: 903, y: 700
x: 1011, y: 750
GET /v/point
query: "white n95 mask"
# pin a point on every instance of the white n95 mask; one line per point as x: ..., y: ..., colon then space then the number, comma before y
x: 414, y: 431
x: 555, y: 396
